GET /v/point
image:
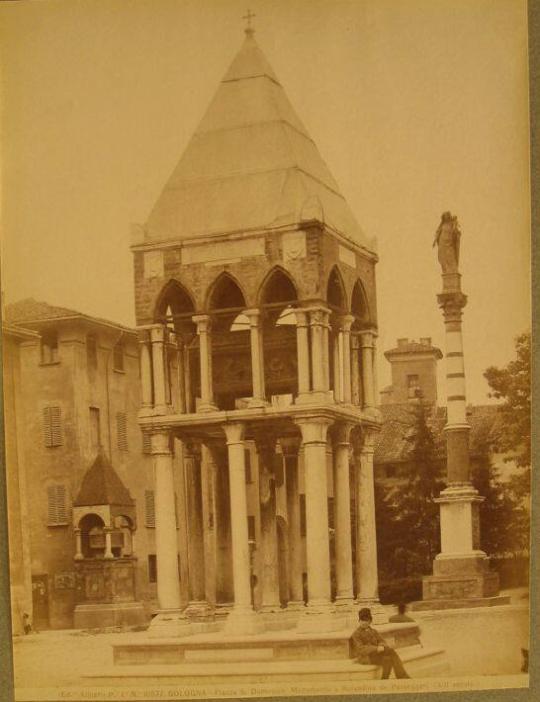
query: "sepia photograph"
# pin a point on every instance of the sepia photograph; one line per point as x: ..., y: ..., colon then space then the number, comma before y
x: 266, y: 348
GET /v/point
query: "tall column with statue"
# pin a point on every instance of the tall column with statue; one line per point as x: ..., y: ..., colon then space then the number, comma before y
x: 461, y: 575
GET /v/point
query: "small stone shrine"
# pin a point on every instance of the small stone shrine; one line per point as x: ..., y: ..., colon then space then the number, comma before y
x: 104, y: 522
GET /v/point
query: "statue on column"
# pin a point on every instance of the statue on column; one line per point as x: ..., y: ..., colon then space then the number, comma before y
x: 447, y: 240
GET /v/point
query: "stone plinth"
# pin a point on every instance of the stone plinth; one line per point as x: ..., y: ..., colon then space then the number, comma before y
x: 106, y: 594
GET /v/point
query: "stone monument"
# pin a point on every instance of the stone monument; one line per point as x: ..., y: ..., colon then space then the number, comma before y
x: 461, y: 573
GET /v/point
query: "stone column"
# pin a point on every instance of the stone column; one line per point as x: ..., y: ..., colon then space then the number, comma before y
x: 257, y: 359
x: 366, y: 339
x: 208, y: 483
x: 338, y: 368
x: 366, y: 534
x: 302, y: 347
x: 224, y: 572
x: 376, y: 398
x: 181, y: 375
x: 345, y: 332
x: 290, y: 447
x: 242, y: 619
x: 78, y: 545
x: 461, y: 573
x: 318, y: 321
x: 157, y: 335
x: 146, y: 372
x: 169, y: 619
x: 187, y: 374
x: 108, y: 543
x: 198, y: 607
x: 314, y: 430
x: 356, y: 395
x: 269, y: 574
x: 203, y: 322
x: 342, y: 511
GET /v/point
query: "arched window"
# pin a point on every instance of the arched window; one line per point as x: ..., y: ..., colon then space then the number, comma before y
x: 359, y: 306
x: 278, y: 298
x: 335, y: 291
x: 231, y: 350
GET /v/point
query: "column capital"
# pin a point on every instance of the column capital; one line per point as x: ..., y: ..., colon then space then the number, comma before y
x: 318, y: 315
x: 234, y: 432
x: 254, y: 314
x: 364, y: 444
x: 355, y: 341
x: 157, y: 333
x: 341, y: 432
x: 290, y: 446
x: 203, y: 322
x: 345, y: 322
x: 161, y: 444
x: 314, y: 429
x: 301, y: 314
x: 367, y: 337
x: 265, y: 441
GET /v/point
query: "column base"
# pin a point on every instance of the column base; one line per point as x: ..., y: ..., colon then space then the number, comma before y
x: 296, y: 606
x: 344, y: 603
x: 320, y: 617
x: 243, y: 621
x: 169, y: 623
x: 257, y: 403
x: 159, y: 410
x: 315, y: 397
x: 198, y: 610
x: 271, y: 608
x: 460, y: 577
x: 207, y: 407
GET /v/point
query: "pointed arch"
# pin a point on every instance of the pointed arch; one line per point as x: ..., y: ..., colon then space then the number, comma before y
x: 335, y: 290
x: 175, y: 296
x: 225, y: 293
x: 360, y: 305
x: 277, y: 287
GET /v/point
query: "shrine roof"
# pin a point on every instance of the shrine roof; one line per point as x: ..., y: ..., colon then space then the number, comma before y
x: 102, y: 485
x: 250, y: 165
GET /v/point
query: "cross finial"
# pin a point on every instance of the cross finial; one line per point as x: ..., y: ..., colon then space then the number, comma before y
x: 248, y: 17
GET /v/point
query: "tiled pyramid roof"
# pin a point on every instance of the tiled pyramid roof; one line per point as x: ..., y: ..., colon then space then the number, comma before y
x: 250, y: 164
x: 102, y: 485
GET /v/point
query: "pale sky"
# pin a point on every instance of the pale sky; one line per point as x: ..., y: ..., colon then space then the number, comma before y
x: 417, y: 106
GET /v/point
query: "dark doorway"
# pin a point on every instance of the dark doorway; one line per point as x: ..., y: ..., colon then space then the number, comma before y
x: 40, y: 601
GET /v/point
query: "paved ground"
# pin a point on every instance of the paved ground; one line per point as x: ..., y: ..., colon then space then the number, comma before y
x: 58, y: 658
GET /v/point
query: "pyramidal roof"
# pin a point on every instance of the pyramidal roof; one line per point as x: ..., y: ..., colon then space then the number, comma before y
x: 102, y: 485
x: 250, y: 164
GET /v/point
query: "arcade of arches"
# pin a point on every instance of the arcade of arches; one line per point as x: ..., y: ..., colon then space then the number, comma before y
x: 295, y: 382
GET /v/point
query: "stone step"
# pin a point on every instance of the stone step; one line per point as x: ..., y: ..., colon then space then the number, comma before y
x: 285, y: 645
x: 420, y: 662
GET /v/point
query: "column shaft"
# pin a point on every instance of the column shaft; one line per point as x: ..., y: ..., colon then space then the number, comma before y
x: 193, y: 489
x: 338, y: 380
x: 367, y: 369
x: 290, y: 449
x: 355, y: 371
x: 78, y: 545
x: 346, y: 358
x: 302, y: 349
x: 158, y: 367
x: 203, y: 322
x: 342, y: 502
x: 146, y: 371
x: 239, y: 525
x: 257, y: 360
x: 168, y: 581
x: 269, y: 584
x: 317, y: 543
x: 366, y: 535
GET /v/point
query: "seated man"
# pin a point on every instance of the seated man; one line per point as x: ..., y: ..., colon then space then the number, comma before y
x: 368, y: 646
x: 400, y: 616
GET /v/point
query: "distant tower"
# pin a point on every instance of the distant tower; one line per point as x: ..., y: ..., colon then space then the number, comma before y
x: 255, y: 300
x: 414, y: 369
x: 461, y: 574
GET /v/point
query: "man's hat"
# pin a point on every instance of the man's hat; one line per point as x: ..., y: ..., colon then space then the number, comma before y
x: 365, y: 614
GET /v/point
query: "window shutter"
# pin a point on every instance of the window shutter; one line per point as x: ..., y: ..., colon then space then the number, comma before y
x: 149, y: 508
x: 146, y: 442
x: 121, y: 431
x: 52, y: 426
x: 57, y: 511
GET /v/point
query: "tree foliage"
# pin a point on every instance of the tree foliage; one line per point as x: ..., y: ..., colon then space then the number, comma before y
x: 513, y: 385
